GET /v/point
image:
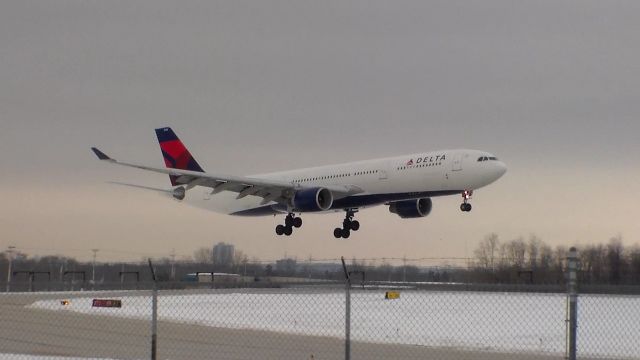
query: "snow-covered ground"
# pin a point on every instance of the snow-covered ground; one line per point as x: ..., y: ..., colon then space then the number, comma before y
x: 609, y: 326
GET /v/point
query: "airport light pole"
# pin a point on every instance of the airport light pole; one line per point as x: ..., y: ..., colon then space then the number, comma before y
x: 10, y: 256
x: 173, y: 264
x: 404, y: 269
x: 347, y: 315
x: 93, y: 266
x: 154, y: 312
x: 572, y: 303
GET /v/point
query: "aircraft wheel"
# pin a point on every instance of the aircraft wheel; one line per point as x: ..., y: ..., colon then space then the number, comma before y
x: 297, y: 222
x: 288, y: 230
x: 355, y: 225
x: 337, y: 233
x: 279, y: 229
x: 288, y: 221
x: 467, y: 207
x: 463, y: 207
x: 345, y: 233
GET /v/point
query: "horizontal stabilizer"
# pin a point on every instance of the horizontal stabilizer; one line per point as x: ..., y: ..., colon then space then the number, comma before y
x: 140, y: 186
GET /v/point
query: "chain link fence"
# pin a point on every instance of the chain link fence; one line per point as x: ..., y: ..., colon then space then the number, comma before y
x: 310, y: 321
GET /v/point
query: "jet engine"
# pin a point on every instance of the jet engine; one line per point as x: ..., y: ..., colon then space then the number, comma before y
x: 409, y: 209
x: 314, y: 199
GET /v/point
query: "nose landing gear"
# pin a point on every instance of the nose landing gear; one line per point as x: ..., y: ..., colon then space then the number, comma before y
x: 348, y: 225
x: 290, y: 222
x: 466, y: 195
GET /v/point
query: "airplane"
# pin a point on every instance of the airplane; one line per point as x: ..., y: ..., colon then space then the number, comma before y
x: 405, y: 184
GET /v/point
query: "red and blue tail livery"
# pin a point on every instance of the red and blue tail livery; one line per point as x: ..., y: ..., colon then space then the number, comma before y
x: 176, y: 155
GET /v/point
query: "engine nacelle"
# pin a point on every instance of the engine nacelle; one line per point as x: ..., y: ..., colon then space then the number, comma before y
x: 315, y: 199
x: 179, y: 192
x: 409, y: 209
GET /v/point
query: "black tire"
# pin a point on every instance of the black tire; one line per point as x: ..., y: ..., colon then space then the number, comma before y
x: 345, y: 233
x: 355, y: 225
x: 288, y: 230
x: 297, y: 222
x: 288, y: 221
x: 468, y: 208
x: 463, y: 207
x: 337, y: 233
x: 279, y: 229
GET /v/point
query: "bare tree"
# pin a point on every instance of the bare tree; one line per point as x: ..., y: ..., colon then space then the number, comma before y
x: 203, y: 255
x: 559, y: 257
x: 634, y: 264
x: 487, y: 251
x: 545, y: 257
x: 240, y: 261
x: 239, y: 258
x: 593, y: 259
x: 533, y: 249
x: 615, y: 260
x: 516, y: 250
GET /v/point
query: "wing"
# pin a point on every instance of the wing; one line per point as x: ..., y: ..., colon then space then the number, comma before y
x: 269, y: 190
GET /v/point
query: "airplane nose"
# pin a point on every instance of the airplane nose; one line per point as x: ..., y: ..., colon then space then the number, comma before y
x: 501, y: 168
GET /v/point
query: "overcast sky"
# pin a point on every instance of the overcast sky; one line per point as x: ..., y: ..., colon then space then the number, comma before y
x: 550, y: 87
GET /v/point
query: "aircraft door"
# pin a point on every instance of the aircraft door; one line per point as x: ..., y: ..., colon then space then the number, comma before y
x: 457, y: 162
x: 382, y: 175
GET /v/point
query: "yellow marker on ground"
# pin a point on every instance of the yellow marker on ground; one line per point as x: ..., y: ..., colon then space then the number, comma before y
x: 391, y: 295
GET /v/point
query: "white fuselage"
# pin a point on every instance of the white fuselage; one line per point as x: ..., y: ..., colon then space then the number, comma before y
x: 381, y: 181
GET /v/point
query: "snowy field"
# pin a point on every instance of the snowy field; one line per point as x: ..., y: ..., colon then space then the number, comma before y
x: 609, y: 326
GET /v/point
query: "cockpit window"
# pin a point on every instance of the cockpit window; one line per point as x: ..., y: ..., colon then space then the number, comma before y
x: 486, y: 158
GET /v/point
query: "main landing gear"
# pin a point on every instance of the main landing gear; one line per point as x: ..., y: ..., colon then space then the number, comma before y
x: 348, y: 224
x: 290, y: 222
x: 466, y: 195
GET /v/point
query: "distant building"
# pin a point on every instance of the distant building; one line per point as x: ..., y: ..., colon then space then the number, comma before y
x: 223, y: 254
x: 286, y: 266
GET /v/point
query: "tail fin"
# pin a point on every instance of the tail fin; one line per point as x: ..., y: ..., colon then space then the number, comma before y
x: 176, y: 155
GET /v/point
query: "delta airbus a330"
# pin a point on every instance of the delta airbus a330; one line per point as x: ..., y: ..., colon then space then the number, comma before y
x: 405, y: 183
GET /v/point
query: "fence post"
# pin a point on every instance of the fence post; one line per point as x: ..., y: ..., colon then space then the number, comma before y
x: 572, y: 303
x: 347, y: 315
x: 154, y: 313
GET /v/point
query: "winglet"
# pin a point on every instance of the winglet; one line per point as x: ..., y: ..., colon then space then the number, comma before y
x: 100, y: 154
